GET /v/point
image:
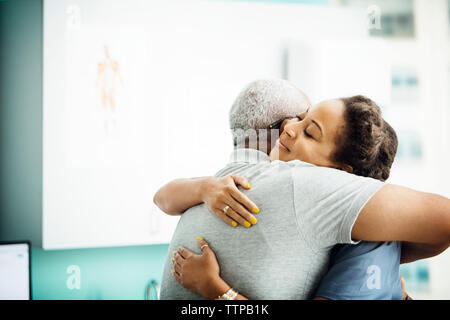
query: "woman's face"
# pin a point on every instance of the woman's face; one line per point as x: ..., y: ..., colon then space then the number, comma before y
x: 312, y: 137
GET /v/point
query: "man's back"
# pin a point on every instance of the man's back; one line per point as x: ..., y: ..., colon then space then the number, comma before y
x: 279, y: 257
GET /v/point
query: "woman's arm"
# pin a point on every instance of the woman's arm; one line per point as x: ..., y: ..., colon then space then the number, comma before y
x: 200, y: 273
x: 397, y: 213
x: 416, y: 251
x: 181, y: 194
x: 221, y: 196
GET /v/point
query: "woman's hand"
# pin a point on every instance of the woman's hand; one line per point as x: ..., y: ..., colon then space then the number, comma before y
x: 199, y: 273
x: 220, y: 195
x: 405, y: 295
x: 226, y: 201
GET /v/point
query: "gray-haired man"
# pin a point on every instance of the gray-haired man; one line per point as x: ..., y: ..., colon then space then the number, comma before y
x: 259, y: 104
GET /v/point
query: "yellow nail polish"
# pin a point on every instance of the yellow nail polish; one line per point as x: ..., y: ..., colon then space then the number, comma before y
x: 253, y: 220
x: 171, y: 259
x: 248, y: 185
x: 255, y: 210
x: 199, y: 238
x: 234, y: 223
x: 247, y: 224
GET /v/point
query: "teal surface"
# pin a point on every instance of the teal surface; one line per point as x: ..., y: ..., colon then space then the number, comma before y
x: 21, y: 120
x: 105, y: 273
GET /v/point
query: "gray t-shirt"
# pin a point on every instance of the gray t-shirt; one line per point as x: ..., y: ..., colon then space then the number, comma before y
x: 304, y: 211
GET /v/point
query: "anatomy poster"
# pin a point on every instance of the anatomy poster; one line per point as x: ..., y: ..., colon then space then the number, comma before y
x: 105, y: 97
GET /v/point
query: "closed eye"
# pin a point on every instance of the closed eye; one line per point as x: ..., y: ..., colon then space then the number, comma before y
x: 307, y: 134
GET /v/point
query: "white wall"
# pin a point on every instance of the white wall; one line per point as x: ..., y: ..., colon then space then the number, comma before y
x: 182, y: 63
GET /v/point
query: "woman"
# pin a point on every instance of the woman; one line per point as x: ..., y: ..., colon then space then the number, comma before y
x: 347, y: 134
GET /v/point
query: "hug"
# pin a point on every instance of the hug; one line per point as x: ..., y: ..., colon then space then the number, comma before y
x: 302, y: 209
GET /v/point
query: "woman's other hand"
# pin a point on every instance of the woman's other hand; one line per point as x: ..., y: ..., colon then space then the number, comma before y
x: 199, y: 273
x: 226, y: 201
x: 405, y: 295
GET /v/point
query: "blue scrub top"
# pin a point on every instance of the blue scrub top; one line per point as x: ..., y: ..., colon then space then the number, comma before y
x: 365, y: 271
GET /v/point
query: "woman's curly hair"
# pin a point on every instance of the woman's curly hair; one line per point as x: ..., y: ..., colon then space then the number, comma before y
x: 368, y: 143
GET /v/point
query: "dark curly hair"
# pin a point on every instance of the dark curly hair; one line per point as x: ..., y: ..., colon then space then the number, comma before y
x: 367, y: 143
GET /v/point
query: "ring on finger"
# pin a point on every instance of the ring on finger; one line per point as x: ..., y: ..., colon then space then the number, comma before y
x: 225, y: 210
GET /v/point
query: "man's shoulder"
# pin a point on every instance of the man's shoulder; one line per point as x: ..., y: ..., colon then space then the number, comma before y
x: 302, y: 171
x: 299, y: 167
x: 294, y: 169
x: 245, y: 168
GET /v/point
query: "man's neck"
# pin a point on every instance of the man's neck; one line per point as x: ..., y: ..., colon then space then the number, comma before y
x: 260, y: 146
x: 250, y: 155
x: 264, y: 142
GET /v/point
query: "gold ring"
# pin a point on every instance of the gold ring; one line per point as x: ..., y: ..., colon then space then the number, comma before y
x: 226, y: 209
x: 205, y: 245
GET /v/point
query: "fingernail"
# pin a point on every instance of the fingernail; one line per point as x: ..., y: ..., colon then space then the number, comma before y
x: 171, y: 259
x: 253, y: 220
x: 234, y: 223
x: 199, y: 238
x: 173, y: 252
x: 171, y: 270
x: 255, y: 210
x: 247, y: 224
x: 248, y: 185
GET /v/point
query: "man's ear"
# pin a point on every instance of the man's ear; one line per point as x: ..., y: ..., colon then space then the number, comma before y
x: 346, y: 168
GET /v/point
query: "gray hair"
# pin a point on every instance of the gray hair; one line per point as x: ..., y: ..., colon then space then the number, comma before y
x: 262, y: 102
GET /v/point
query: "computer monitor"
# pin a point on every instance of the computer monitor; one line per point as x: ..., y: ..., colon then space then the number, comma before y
x: 15, y: 277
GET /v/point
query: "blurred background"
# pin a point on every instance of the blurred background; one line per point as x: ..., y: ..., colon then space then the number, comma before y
x: 101, y: 102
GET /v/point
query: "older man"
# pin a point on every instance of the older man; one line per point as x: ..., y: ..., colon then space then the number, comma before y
x: 259, y: 105
x: 307, y: 210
